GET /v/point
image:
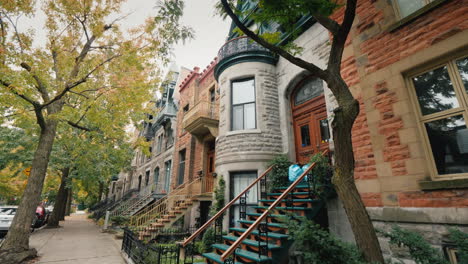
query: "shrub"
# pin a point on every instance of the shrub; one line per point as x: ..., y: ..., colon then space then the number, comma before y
x: 318, y: 246
x: 419, y: 249
x: 460, y: 240
x: 322, y: 175
x: 207, y: 241
x: 120, y: 220
x: 278, y: 176
x: 219, y: 200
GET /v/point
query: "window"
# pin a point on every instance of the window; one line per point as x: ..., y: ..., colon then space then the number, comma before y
x: 309, y: 90
x: 407, y: 7
x: 186, y: 108
x: 167, y: 180
x: 442, y: 103
x: 156, y: 179
x: 147, y: 176
x: 243, y: 105
x: 181, y: 167
x: 159, y: 145
x: 212, y: 95
x: 240, y: 181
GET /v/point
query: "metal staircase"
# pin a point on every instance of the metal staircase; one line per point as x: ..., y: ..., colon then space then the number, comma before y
x: 262, y: 235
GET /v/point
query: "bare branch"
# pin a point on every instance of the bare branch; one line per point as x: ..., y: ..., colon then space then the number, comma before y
x: 339, y: 40
x: 75, y: 125
x: 40, y: 117
x: 312, y: 68
x: 39, y: 84
x: 15, y: 28
x: 12, y: 88
x: 70, y: 86
x: 327, y: 22
x: 80, y: 94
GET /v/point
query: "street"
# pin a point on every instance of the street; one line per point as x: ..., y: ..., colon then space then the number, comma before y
x: 78, y: 240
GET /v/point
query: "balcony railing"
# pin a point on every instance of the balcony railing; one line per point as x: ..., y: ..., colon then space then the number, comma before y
x: 201, y: 117
x: 169, y: 110
x: 242, y: 49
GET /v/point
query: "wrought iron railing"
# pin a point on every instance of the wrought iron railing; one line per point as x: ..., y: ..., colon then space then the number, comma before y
x: 142, y: 253
x: 240, y: 45
x: 217, y: 219
x: 262, y: 221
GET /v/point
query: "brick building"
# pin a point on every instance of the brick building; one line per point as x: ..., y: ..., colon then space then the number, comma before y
x: 407, y: 64
x: 197, y: 128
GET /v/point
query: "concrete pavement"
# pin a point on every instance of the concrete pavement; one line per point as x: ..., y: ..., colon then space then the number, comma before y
x: 79, y: 240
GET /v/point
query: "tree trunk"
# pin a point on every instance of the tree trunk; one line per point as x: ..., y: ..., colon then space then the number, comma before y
x: 69, y: 201
x: 60, y: 202
x: 16, y: 245
x: 101, y: 190
x: 343, y: 178
x: 64, y: 207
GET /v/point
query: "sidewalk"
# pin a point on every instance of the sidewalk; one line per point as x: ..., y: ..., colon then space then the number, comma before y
x: 79, y: 240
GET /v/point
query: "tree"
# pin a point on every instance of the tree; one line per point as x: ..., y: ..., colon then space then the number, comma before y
x: 87, y: 59
x: 286, y: 13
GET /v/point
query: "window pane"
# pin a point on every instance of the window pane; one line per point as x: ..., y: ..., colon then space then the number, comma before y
x: 238, y: 117
x: 305, y: 136
x: 463, y: 70
x: 409, y: 6
x: 243, y: 92
x: 311, y: 89
x: 435, y: 91
x: 249, y: 116
x: 449, y: 142
x: 324, y: 131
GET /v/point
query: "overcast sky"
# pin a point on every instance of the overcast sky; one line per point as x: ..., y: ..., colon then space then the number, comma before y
x: 210, y: 31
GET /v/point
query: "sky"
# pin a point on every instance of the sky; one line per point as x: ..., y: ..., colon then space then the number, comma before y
x: 210, y: 31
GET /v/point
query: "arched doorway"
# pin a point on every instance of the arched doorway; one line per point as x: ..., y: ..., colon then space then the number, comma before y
x: 311, y: 131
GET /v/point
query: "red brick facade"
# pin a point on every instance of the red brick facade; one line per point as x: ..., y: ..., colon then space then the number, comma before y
x: 193, y: 89
x: 393, y: 164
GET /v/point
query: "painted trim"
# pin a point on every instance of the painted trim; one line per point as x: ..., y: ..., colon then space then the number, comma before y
x: 249, y: 56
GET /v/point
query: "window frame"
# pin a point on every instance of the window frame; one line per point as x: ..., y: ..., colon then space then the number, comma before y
x: 460, y: 93
x: 398, y: 12
x: 181, y: 172
x: 233, y: 105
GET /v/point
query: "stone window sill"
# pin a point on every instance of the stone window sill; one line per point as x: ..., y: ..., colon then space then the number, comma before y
x: 410, y: 18
x: 242, y: 132
x: 445, y: 184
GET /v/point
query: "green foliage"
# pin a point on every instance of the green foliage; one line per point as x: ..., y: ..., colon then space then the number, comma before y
x: 321, y: 174
x: 219, y: 200
x: 278, y: 176
x: 460, y: 240
x: 318, y: 246
x: 120, y: 220
x: 419, y: 249
x: 207, y: 241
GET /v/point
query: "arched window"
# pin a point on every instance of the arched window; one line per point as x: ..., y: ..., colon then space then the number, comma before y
x: 310, y: 89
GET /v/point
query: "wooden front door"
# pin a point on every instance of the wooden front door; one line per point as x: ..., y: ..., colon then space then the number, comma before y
x: 210, y: 169
x: 311, y: 131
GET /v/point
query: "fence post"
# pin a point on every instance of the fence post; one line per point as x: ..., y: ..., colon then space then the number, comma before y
x: 106, y: 221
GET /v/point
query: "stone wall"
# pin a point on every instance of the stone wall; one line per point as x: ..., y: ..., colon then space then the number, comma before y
x: 263, y: 142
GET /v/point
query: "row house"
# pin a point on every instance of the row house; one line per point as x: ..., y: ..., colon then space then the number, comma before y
x: 197, y: 129
x: 407, y: 64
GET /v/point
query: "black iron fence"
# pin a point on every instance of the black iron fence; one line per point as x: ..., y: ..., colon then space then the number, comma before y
x: 152, y: 253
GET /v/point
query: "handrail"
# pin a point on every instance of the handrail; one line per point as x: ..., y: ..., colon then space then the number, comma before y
x: 161, y: 206
x: 227, y: 206
x: 233, y: 246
